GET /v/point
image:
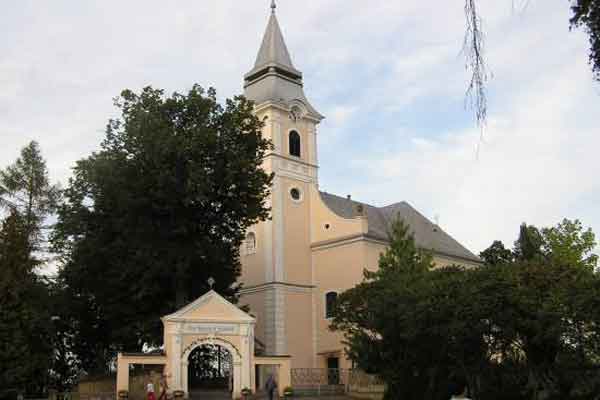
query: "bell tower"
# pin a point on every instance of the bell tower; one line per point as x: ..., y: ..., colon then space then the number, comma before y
x: 278, y: 276
x: 276, y: 87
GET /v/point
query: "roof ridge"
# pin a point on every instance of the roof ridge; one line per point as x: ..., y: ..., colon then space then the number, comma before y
x: 347, y: 199
x: 402, y: 202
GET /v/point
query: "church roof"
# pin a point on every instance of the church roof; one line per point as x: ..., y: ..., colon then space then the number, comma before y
x: 427, y: 234
x: 273, y: 49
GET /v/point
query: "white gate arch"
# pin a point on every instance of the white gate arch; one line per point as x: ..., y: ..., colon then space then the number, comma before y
x: 236, y: 360
x: 209, y: 319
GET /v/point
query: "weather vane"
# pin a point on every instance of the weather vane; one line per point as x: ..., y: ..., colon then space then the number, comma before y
x: 273, y: 6
x: 211, y: 282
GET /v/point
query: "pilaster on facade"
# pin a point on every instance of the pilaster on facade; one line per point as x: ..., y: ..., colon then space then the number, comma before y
x: 280, y: 337
x: 274, y: 339
x: 276, y: 136
x: 278, y: 229
x: 269, y: 323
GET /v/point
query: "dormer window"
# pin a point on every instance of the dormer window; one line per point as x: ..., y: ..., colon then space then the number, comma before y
x: 295, y: 144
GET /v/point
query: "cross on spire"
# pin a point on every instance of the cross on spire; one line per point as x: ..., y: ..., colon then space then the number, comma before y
x: 273, y: 6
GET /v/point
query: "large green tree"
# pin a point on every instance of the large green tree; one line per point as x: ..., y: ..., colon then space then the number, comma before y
x: 163, y: 206
x: 27, y: 198
x: 530, y: 331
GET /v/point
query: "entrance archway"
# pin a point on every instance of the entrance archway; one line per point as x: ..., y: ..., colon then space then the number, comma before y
x: 214, y: 321
x: 210, y: 372
x: 194, y: 350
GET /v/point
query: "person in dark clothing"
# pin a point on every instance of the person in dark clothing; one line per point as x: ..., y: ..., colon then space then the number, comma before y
x: 271, y: 386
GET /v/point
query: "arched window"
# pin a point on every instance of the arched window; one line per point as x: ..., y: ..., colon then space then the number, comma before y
x: 295, y: 144
x: 250, y: 243
x: 330, y: 300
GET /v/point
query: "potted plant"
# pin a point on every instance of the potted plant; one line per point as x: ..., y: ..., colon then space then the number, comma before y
x: 246, y: 392
x: 288, y: 392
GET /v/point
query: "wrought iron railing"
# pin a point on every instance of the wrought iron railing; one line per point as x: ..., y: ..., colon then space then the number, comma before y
x: 320, y: 380
x: 335, y: 381
x: 362, y: 384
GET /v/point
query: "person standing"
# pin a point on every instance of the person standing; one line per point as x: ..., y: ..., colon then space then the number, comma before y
x: 164, y: 386
x: 271, y: 386
x: 150, y: 391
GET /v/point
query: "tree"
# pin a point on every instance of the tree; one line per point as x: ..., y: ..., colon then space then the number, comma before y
x: 25, y: 325
x: 163, y: 206
x: 496, y: 254
x: 531, y: 331
x: 569, y: 244
x: 372, y: 315
x: 26, y: 189
x: 529, y: 244
x: 25, y: 350
x: 586, y: 14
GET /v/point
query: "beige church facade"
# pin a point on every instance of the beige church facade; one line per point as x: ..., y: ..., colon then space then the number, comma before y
x: 316, y: 244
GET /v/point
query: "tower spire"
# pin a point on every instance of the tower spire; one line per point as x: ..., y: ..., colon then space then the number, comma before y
x: 273, y: 48
x: 274, y: 77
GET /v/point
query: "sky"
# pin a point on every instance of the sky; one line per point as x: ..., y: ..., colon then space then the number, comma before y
x: 388, y: 75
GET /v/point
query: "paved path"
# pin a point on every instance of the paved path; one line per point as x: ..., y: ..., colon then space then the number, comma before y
x: 317, y: 398
x: 210, y: 395
x: 224, y: 395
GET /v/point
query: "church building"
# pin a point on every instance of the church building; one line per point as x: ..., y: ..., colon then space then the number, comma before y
x: 316, y: 244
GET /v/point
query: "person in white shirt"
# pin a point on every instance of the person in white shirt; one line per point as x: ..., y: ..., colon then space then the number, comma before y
x: 150, y: 391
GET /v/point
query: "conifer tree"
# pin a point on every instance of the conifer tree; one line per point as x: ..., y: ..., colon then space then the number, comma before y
x: 27, y: 198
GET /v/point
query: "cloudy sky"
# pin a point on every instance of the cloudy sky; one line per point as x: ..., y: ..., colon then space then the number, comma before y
x: 388, y: 75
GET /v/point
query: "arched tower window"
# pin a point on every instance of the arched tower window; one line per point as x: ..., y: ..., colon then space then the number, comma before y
x: 330, y: 300
x: 250, y: 243
x: 295, y: 144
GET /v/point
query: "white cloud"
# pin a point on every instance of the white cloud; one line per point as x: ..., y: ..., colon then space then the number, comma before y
x: 535, y: 165
x: 388, y: 75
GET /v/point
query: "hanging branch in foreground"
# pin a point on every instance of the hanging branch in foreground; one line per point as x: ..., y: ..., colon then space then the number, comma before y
x: 473, y: 49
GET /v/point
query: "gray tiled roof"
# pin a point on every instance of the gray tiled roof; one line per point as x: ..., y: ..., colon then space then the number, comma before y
x: 427, y: 234
x: 273, y: 77
x: 273, y: 48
